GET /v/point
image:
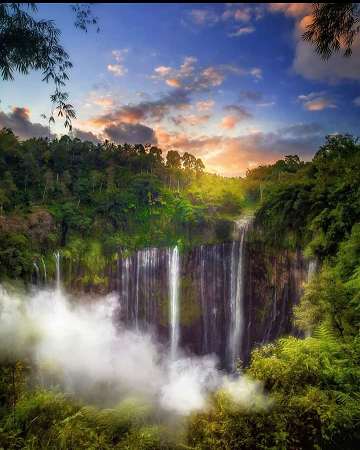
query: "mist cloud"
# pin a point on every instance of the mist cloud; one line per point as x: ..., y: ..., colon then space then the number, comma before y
x: 83, y: 340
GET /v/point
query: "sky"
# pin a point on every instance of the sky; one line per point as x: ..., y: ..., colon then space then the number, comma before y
x: 233, y: 84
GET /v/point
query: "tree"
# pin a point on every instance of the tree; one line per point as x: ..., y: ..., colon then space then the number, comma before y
x: 49, y: 184
x: 334, y: 25
x: 173, y: 159
x: 188, y: 161
x: 3, y: 200
x: 27, y: 44
x: 199, y: 166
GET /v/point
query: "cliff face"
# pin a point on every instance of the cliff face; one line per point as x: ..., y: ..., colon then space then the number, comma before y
x: 232, y: 296
x: 272, y: 286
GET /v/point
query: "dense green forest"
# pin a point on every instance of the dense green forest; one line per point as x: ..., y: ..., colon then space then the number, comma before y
x: 92, y: 199
x: 130, y: 197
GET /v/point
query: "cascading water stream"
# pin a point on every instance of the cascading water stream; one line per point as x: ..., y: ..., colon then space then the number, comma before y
x: 138, y: 259
x: 45, y: 275
x: 237, y: 293
x: 37, y: 277
x: 312, y: 268
x: 140, y: 286
x: 57, y: 259
x: 174, y: 267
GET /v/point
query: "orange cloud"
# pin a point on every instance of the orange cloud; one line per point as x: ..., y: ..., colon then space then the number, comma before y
x: 118, y: 70
x: 242, y: 15
x: 163, y: 71
x: 190, y: 120
x: 232, y: 156
x: 319, y: 104
x: 291, y: 9
x: 229, y: 122
x: 103, y: 101
x: 307, y: 62
x: 317, y: 101
x: 173, y: 83
x: 203, y: 106
x: 214, y: 76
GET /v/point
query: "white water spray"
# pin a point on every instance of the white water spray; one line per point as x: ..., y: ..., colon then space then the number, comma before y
x: 81, y: 341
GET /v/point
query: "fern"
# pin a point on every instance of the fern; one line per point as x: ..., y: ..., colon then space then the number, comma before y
x: 327, y: 340
x: 113, y: 421
x: 133, y: 409
x: 354, y: 282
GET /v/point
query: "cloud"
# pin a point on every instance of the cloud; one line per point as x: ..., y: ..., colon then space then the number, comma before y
x: 175, y: 77
x: 146, y: 110
x: 291, y: 9
x: 232, y: 156
x: 143, y: 95
x: 192, y: 78
x: 242, y: 31
x: 317, y: 101
x: 214, y: 76
x: 85, y: 136
x: 19, y: 121
x: 190, y: 119
x: 302, y: 129
x: 239, y: 115
x: 357, y: 101
x: 173, y: 83
x: 119, y: 54
x: 250, y: 95
x: 203, y: 16
x: 337, y: 68
x: 266, y: 105
x: 132, y: 134
x: 103, y: 101
x: 186, y: 69
x: 242, y: 15
x: 256, y: 72
x: 229, y: 122
x: 118, y: 70
x: 307, y: 62
x: 204, y: 106
x: 240, y: 112
x: 162, y: 71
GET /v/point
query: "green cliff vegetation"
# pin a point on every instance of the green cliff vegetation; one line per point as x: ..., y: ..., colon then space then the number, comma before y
x: 82, y: 197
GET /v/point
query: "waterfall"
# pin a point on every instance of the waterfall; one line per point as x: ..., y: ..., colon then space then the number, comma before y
x: 125, y: 278
x: 205, y: 338
x: 57, y: 259
x: 174, y: 266
x: 313, y: 265
x: 269, y: 328
x: 45, y: 275
x: 138, y: 259
x: 140, y: 286
x: 37, y: 276
x: 236, y: 294
x: 148, y: 285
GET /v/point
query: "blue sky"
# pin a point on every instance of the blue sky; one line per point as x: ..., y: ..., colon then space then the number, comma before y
x: 233, y: 84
